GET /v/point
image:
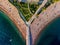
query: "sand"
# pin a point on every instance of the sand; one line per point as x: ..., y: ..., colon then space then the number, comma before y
x: 13, y: 14
x: 52, y: 12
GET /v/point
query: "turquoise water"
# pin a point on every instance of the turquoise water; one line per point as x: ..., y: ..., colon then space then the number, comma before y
x: 50, y: 34
x: 9, y: 34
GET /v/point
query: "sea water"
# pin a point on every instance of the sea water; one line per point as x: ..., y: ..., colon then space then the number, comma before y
x: 9, y: 34
x: 50, y: 35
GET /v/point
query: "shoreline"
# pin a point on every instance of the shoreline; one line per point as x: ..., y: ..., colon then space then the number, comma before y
x: 37, y: 39
x: 47, y: 27
x: 14, y: 26
x: 12, y: 21
x: 44, y: 19
x: 9, y: 30
x: 11, y: 16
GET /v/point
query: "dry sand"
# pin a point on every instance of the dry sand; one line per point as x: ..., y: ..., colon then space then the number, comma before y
x: 13, y: 14
x: 52, y: 12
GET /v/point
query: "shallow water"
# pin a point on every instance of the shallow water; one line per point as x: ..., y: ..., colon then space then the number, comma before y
x: 9, y: 34
x: 51, y: 34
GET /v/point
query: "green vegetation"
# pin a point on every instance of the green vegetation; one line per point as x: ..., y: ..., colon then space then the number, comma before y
x: 48, y: 4
x: 26, y: 9
x: 33, y: 7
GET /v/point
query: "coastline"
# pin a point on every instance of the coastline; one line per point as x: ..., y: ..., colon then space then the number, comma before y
x: 5, y: 21
x: 44, y: 19
x: 11, y: 22
x: 38, y: 37
x: 11, y: 16
x: 49, y: 29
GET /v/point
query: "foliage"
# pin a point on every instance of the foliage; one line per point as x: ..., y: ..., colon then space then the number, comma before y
x: 23, y: 8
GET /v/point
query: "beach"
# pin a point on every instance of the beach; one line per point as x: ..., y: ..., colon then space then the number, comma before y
x: 50, y: 35
x: 9, y: 34
x: 13, y: 14
x: 44, y: 18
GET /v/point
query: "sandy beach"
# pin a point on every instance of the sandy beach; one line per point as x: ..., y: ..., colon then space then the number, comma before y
x: 52, y: 12
x: 13, y: 14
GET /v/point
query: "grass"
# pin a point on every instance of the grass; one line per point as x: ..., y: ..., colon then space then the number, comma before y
x: 48, y: 4
x: 23, y: 8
